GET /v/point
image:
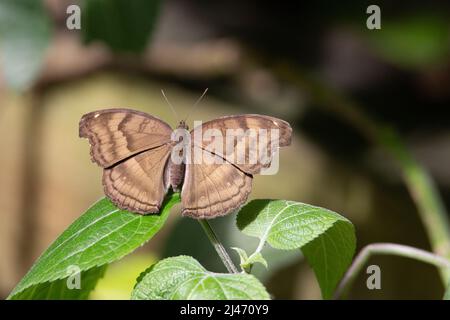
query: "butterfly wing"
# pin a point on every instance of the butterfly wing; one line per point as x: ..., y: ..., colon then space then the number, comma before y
x: 138, y: 184
x: 215, y: 189
x: 221, y: 184
x: 133, y: 148
x: 250, y: 155
x: 116, y: 134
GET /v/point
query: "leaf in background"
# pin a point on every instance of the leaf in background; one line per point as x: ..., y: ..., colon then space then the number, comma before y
x: 102, y: 235
x: 184, y: 278
x: 57, y: 290
x: 327, y: 239
x: 417, y: 41
x: 25, y: 32
x: 123, y: 25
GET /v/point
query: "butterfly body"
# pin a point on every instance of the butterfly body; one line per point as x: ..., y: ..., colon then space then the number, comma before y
x: 175, y: 171
x: 176, y: 175
x: 143, y: 157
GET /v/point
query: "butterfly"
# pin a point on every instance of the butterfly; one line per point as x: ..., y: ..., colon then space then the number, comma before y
x: 136, y: 151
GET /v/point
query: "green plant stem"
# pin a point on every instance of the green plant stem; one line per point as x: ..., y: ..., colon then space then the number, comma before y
x: 218, y: 246
x: 261, y: 243
x: 387, y: 249
x: 425, y: 195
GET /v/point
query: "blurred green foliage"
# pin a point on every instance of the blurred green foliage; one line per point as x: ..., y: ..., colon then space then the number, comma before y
x: 414, y: 41
x: 120, y: 278
x: 25, y: 33
x: 123, y: 25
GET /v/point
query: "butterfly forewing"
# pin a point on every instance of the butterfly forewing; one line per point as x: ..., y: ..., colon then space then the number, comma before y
x: 248, y: 141
x: 116, y: 134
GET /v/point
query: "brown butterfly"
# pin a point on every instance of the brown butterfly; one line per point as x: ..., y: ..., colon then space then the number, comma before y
x: 135, y: 150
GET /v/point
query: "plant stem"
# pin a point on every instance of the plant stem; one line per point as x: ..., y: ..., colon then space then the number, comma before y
x: 218, y: 246
x: 388, y: 249
x: 425, y: 195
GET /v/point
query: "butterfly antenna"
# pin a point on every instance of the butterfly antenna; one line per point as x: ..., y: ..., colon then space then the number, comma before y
x: 196, y: 104
x: 170, y: 105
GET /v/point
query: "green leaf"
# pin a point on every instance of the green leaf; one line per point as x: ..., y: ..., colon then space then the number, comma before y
x: 123, y: 25
x: 25, y: 31
x: 326, y: 239
x: 102, y: 235
x: 58, y: 290
x: 183, y: 278
x: 331, y: 254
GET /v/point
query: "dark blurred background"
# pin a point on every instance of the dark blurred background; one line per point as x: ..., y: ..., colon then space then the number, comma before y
x: 312, y: 63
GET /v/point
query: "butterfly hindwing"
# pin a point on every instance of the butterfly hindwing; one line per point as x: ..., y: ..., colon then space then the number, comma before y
x: 213, y: 189
x: 138, y: 183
